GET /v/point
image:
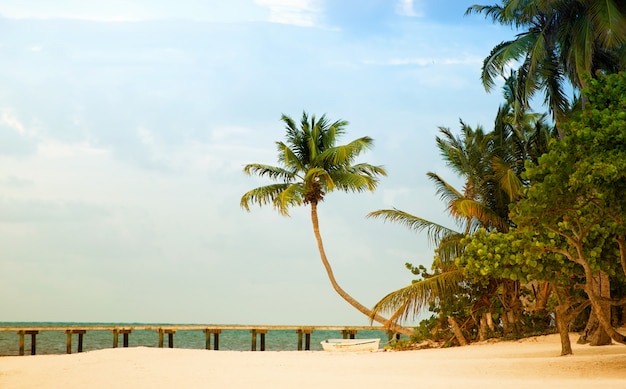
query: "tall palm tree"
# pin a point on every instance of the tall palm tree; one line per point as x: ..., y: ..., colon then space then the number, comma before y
x: 561, y: 41
x: 312, y: 165
x: 476, y: 206
x: 519, y: 135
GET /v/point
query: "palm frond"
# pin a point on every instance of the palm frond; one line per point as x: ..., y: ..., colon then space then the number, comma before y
x: 273, y: 172
x: 447, y: 193
x: 579, y: 56
x: 494, y: 12
x: 288, y: 157
x: 500, y: 56
x: 289, y: 197
x: 332, y: 133
x: 611, y: 22
x: 262, y: 196
x: 357, y: 178
x: 449, y: 248
x: 555, y: 96
x: 506, y: 178
x: 409, y: 301
x: 344, y: 155
x: 436, y: 232
x: 476, y: 210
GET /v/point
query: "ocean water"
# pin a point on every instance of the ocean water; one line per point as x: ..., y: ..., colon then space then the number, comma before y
x: 54, y: 342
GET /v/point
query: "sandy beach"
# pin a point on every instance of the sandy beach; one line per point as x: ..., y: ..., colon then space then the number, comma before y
x: 529, y: 363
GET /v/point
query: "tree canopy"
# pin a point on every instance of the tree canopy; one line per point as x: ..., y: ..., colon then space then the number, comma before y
x: 560, y: 44
x: 570, y: 220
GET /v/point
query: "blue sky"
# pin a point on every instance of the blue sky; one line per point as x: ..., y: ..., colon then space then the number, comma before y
x: 125, y: 125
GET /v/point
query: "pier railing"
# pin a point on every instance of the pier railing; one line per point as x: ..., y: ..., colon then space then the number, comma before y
x: 213, y: 331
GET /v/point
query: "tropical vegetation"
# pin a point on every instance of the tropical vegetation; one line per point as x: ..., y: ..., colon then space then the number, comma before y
x: 491, y: 164
x: 539, y: 243
x: 560, y: 45
x: 570, y: 221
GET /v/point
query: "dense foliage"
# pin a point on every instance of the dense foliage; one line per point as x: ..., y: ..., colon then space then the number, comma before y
x: 559, y: 46
x: 570, y: 221
x: 557, y: 253
x: 491, y: 164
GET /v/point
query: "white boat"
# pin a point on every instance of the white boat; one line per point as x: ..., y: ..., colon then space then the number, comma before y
x: 350, y: 344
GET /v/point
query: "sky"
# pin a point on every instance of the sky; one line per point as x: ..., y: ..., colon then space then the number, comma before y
x: 125, y: 127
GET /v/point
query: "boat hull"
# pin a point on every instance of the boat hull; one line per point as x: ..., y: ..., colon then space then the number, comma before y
x: 350, y: 345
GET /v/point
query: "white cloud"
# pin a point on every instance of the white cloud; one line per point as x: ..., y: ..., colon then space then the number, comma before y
x: 53, y: 149
x: 130, y: 11
x: 69, y: 11
x: 469, y: 60
x: 49, y: 148
x: 226, y: 151
x: 153, y: 149
x: 13, y: 122
x: 304, y: 13
x: 407, y: 8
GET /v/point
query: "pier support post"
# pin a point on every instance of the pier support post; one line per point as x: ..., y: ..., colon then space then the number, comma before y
x: 307, y: 333
x: 299, y: 332
x: 125, y: 333
x: 216, y: 338
x: 253, y: 339
x: 116, y: 333
x: 263, y: 340
x: 170, y: 337
x: 33, y: 341
x: 348, y: 332
x: 80, y: 342
x: 69, y: 334
x: 307, y: 341
x: 68, y: 344
x: 261, y: 332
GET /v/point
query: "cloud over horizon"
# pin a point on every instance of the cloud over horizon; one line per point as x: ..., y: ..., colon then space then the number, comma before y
x: 123, y: 144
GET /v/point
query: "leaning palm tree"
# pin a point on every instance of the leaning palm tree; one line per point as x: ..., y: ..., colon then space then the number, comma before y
x: 312, y: 165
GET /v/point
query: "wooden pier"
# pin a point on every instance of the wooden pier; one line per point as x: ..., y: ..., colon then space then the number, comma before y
x: 303, y: 334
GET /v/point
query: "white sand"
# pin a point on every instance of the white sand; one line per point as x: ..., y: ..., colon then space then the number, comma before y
x: 531, y: 363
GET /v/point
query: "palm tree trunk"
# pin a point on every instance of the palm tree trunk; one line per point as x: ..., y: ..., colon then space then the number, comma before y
x: 360, y: 307
x: 456, y: 329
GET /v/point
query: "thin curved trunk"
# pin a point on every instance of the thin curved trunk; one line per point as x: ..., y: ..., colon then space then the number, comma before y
x: 360, y: 307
